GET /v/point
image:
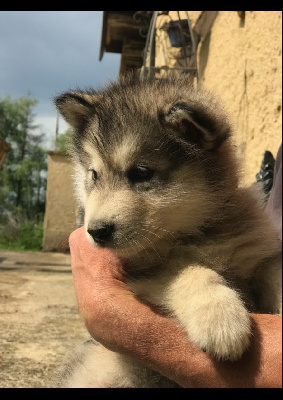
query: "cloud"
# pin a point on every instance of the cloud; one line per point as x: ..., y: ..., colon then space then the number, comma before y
x: 43, y: 53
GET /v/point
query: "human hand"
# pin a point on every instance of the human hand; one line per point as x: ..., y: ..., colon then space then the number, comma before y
x: 99, y: 285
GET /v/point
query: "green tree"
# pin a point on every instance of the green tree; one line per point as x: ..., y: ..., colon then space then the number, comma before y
x: 23, y: 174
x: 62, y: 140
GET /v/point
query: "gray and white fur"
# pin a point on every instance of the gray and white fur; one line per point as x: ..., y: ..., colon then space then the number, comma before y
x: 156, y: 172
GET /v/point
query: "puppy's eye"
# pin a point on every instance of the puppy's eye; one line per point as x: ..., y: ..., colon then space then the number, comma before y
x: 140, y: 174
x: 93, y: 175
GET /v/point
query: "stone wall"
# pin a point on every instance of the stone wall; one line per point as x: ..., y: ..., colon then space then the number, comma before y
x: 61, y: 208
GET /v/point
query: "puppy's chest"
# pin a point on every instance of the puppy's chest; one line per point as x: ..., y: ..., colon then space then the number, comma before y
x: 155, y: 287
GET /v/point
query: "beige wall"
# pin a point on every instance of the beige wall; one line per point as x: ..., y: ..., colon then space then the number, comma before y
x: 242, y: 64
x: 60, y: 212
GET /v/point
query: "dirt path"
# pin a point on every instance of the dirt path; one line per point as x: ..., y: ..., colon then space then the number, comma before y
x: 39, y: 319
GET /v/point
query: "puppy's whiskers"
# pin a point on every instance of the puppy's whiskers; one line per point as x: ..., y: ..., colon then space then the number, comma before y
x: 152, y: 246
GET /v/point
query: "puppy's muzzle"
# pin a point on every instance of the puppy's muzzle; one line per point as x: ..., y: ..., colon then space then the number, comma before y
x: 102, y: 232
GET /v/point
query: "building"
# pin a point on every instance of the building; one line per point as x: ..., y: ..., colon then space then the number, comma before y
x: 236, y: 54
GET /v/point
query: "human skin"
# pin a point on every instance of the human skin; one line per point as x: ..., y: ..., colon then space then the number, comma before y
x: 119, y: 321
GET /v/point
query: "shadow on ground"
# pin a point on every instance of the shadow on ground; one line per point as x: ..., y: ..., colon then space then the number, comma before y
x: 38, y: 317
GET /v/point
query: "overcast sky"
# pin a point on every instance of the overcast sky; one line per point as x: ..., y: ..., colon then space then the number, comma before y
x: 43, y: 53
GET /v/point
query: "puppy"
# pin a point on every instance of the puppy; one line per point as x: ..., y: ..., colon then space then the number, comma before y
x: 156, y: 172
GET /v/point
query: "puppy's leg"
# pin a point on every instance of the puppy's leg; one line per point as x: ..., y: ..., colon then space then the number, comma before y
x: 93, y: 366
x: 212, y: 313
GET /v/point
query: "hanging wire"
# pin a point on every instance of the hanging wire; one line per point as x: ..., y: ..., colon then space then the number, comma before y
x: 149, y: 42
x: 183, y: 40
x: 193, y: 44
x: 150, y: 48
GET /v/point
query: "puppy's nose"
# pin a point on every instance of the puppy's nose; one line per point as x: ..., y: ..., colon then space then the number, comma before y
x: 101, y: 232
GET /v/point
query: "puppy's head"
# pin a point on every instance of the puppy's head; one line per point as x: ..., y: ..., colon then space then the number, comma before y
x: 152, y: 161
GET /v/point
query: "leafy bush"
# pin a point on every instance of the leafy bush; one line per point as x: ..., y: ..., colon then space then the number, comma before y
x: 21, y: 235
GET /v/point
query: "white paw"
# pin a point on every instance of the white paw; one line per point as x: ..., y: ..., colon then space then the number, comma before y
x: 222, y: 330
x: 211, y: 312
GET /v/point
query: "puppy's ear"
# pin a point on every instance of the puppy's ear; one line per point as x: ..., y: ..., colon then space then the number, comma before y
x: 75, y: 107
x: 197, y: 125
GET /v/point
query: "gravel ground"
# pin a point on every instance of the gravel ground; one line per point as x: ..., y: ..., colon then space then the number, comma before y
x: 38, y: 317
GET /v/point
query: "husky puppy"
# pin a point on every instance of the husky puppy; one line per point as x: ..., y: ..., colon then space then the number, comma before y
x: 156, y: 172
